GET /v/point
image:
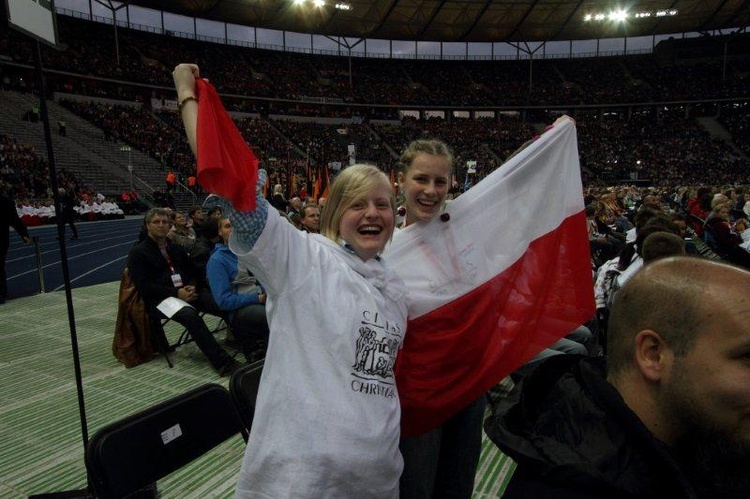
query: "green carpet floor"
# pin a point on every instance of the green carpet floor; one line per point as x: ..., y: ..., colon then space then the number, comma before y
x: 40, y: 428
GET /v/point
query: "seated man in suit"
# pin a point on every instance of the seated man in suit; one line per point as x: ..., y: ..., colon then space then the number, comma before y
x: 162, y: 270
x: 667, y: 415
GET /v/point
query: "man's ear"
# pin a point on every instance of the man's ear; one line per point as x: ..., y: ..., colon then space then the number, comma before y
x: 652, y: 355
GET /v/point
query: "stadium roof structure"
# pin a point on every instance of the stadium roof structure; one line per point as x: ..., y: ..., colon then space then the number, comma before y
x: 469, y: 20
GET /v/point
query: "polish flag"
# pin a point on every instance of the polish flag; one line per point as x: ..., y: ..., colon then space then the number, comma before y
x: 505, y: 277
x: 226, y: 164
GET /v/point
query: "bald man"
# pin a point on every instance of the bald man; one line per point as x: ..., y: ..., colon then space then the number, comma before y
x: 667, y: 416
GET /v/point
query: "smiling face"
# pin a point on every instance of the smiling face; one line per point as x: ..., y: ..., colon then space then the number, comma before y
x: 425, y: 185
x: 367, y: 223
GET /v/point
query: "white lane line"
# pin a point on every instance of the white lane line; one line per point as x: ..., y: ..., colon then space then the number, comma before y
x: 70, y: 258
x: 91, y: 272
x: 57, y: 248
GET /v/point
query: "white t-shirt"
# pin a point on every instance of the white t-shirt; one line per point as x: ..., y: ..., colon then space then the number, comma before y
x: 327, y: 416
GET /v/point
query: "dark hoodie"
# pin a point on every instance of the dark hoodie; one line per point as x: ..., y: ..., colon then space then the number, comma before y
x: 572, y: 436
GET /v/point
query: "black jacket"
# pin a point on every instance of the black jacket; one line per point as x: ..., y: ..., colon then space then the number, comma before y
x: 151, y: 274
x: 9, y: 218
x: 572, y: 436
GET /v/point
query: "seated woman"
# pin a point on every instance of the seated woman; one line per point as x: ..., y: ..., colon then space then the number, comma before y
x: 700, y: 211
x: 238, y: 294
x: 722, y: 237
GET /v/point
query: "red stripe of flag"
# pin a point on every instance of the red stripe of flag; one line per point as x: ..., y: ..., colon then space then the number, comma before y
x: 455, y: 353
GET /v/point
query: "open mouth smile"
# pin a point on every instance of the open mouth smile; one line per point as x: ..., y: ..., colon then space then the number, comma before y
x: 370, y: 230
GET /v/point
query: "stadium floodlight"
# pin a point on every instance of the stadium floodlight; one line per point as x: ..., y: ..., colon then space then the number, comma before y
x: 618, y: 15
x: 299, y: 2
x: 622, y: 15
x: 319, y: 3
x: 343, y: 6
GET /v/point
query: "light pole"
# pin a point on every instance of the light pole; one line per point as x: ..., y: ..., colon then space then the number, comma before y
x: 128, y: 150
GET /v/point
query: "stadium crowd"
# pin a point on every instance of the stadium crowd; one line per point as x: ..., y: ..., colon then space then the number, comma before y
x: 147, y: 58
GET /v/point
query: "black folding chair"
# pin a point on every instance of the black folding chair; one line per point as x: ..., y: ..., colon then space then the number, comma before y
x: 243, y: 386
x: 161, y: 342
x: 137, y: 451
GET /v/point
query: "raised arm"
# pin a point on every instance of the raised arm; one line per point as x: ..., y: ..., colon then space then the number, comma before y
x: 247, y: 224
x: 184, y: 76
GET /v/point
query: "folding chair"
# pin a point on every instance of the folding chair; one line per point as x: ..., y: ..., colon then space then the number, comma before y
x: 137, y: 451
x: 243, y: 386
x: 161, y: 341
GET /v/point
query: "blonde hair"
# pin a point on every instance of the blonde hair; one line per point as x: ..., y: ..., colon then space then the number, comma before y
x: 277, y: 189
x: 352, y: 184
x: 433, y: 147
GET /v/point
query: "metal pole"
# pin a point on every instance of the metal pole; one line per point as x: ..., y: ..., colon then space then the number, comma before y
x: 63, y: 250
x: 38, y: 254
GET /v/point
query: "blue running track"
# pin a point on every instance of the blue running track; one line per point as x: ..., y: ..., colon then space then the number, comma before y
x: 98, y: 255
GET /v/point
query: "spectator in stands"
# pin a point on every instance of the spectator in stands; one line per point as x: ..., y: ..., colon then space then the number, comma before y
x: 205, y: 241
x: 602, y: 247
x: 665, y: 415
x: 662, y: 245
x: 295, y: 205
x: 613, y: 274
x: 8, y: 218
x: 700, y: 212
x: 651, y: 201
x: 238, y: 294
x: 641, y: 217
x: 310, y: 218
x: 721, y: 235
x: 444, y: 460
x: 212, y: 214
x: 295, y: 220
x: 277, y: 199
x: 170, y: 181
x: 702, y: 191
x: 721, y: 200
x: 162, y: 271
x: 739, y: 201
x: 680, y: 223
x: 180, y: 233
x: 610, y: 224
x: 196, y: 215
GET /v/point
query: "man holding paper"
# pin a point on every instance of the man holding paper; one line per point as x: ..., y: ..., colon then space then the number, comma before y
x: 162, y: 273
